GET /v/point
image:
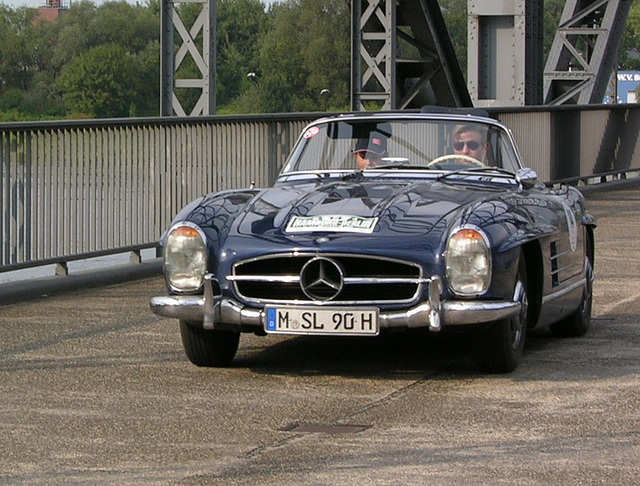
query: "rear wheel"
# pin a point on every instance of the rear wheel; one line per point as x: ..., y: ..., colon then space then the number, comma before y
x: 499, y: 348
x: 204, y: 347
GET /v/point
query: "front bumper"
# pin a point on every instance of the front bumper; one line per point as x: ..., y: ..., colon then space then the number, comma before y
x: 215, y: 311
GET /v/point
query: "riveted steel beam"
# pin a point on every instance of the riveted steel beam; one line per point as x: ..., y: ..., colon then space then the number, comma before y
x: 402, y: 57
x: 584, y: 51
x: 194, y: 51
x: 505, y: 52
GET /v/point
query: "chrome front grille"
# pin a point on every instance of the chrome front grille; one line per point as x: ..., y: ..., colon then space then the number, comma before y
x: 349, y: 279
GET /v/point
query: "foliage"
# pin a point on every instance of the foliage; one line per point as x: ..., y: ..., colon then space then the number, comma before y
x: 454, y: 13
x: 57, y: 65
x: 241, y: 24
x: 15, y: 52
x: 629, y: 54
x: 552, y: 14
x: 305, y: 57
x: 101, y: 83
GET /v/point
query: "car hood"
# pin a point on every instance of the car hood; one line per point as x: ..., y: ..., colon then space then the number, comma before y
x: 388, y: 208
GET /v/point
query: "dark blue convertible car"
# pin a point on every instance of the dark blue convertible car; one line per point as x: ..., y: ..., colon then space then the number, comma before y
x: 385, y: 221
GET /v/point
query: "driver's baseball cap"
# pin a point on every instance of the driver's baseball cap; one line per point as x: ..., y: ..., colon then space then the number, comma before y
x: 376, y: 143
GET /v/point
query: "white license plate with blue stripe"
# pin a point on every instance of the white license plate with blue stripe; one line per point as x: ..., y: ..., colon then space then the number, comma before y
x: 327, y: 321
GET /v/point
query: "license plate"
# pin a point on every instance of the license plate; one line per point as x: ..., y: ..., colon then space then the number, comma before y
x: 328, y: 321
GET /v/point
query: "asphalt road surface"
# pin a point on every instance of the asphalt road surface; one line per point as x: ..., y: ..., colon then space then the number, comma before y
x: 95, y: 389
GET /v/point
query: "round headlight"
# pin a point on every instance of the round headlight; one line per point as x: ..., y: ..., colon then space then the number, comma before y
x: 185, y: 258
x: 468, y: 261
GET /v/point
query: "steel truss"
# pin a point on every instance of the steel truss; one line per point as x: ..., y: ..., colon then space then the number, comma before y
x: 584, y: 51
x: 402, y: 57
x: 198, y: 47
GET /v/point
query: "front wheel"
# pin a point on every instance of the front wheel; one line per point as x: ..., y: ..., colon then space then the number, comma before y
x: 204, y: 347
x: 499, y: 348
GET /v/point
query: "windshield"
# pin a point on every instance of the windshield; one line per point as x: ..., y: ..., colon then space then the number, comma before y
x: 442, y: 145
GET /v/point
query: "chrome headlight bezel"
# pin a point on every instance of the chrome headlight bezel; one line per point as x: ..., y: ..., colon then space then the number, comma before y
x: 468, y: 261
x: 185, y: 257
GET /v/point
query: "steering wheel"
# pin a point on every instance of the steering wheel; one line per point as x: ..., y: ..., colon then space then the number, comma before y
x: 466, y: 158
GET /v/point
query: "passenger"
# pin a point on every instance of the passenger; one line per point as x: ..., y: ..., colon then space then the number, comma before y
x: 470, y: 140
x: 370, y: 151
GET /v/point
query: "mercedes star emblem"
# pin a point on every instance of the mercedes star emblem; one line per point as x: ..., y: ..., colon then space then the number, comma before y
x: 321, y: 279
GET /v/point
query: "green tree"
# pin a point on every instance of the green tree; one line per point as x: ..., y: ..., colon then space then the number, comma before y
x: 133, y: 27
x: 454, y: 13
x: 85, y: 26
x: 16, y: 56
x: 241, y: 24
x: 102, y: 83
x: 305, y: 57
x: 69, y: 35
x: 282, y: 74
x: 629, y: 55
x: 552, y: 14
x: 34, y: 54
x: 147, y: 92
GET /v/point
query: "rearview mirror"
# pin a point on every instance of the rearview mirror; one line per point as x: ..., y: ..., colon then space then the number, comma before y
x: 527, y: 177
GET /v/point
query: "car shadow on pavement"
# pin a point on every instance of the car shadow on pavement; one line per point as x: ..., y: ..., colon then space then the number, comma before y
x: 406, y: 353
x: 598, y: 355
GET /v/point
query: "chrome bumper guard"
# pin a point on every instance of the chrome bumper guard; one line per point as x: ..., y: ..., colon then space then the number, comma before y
x: 434, y: 314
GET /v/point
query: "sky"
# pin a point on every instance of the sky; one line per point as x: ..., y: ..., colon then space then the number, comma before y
x: 39, y: 3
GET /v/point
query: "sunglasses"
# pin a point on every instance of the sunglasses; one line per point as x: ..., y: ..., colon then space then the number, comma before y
x: 472, y: 144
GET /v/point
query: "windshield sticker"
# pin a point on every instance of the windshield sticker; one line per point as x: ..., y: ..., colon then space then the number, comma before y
x: 311, y: 132
x: 337, y: 223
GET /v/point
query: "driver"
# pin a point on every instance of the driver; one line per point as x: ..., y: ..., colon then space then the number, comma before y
x: 470, y: 140
x: 370, y: 151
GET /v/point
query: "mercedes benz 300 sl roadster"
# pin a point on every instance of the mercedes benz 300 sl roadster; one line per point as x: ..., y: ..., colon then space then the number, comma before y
x: 382, y: 222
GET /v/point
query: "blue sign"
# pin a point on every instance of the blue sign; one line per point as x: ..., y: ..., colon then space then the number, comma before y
x: 627, y: 82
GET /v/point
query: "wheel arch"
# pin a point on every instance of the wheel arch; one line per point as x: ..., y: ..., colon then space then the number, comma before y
x: 591, y: 247
x: 534, y: 262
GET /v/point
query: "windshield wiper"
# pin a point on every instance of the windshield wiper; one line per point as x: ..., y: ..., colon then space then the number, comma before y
x: 400, y: 165
x: 353, y: 175
x: 475, y: 169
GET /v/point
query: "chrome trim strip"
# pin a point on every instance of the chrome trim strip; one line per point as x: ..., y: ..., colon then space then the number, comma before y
x: 562, y: 292
x: 264, y: 278
x: 478, y: 312
x: 433, y: 314
x: 435, y: 306
x: 452, y: 313
x: 418, y: 281
x: 209, y: 302
x: 349, y: 280
x: 559, y: 254
x: 565, y: 268
x: 186, y: 307
x: 307, y: 254
x: 385, y: 280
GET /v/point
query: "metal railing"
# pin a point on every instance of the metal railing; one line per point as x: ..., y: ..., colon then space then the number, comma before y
x: 75, y: 190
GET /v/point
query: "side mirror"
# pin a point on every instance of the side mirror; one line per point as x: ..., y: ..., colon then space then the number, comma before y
x: 527, y: 178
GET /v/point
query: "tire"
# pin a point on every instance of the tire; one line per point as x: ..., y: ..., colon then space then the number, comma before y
x: 499, y: 348
x: 578, y: 323
x: 208, y: 348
